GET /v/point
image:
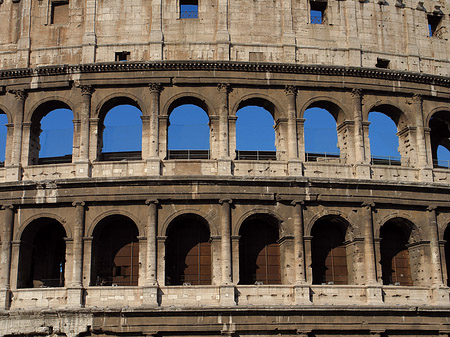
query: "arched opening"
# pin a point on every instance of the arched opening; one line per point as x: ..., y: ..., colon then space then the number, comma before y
x: 115, y: 252
x: 383, y: 139
x: 395, y: 260
x: 188, y: 135
x: 120, y: 130
x: 188, y: 251
x: 440, y: 139
x: 255, y: 134
x: 259, y: 251
x: 51, y: 134
x: 3, y: 135
x: 42, y: 255
x: 447, y: 252
x: 329, y: 253
x: 321, y: 133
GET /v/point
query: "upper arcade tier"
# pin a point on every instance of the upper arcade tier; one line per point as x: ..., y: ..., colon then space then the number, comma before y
x: 405, y: 35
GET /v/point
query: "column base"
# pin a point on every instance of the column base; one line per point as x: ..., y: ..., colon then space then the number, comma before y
x: 302, y: 294
x: 153, y: 167
x: 14, y: 173
x: 295, y: 168
x: 75, y: 297
x: 440, y: 296
x: 150, y: 296
x: 5, y: 299
x: 227, y: 295
x: 82, y: 169
x: 224, y: 167
x: 362, y: 171
x: 374, y: 295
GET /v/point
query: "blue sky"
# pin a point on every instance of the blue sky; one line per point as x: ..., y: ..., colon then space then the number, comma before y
x: 189, y: 130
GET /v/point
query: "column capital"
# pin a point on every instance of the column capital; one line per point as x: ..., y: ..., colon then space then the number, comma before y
x: 78, y: 203
x: 297, y: 202
x: 8, y: 206
x: 155, y: 87
x: 225, y: 200
x: 290, y: 90
x: 432, y: 208
x: 417, y: 98
x: 368, y: 204
x: 19, y: 94
x: 86, y: 90
x: 357, y: 93
x: 224, y: 88
x: 152, y: 201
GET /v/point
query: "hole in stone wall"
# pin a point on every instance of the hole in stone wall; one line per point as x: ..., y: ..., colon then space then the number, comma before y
x: 188, y: 9
x: 434, y: 22
x: 59, y: 13
x: 382, y: 63
x: 122, y: 56
x: 318, y: 12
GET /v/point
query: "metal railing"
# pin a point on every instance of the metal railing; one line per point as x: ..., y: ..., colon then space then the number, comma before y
x: 121, y: 156
x: 385, y: 160
x: 318, y: 156
x: 441, y: 163
x: 316, y: 19
x: 189, y: 14
x: 55, y: 160
x: 188, y: 154
x: 256, y: 155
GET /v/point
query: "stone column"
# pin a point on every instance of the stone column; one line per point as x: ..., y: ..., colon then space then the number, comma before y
x: 7, y: 234
x: 224, y: 161
x: 14, y: 172
x: 74, y: 291
x: 299, y: 248
x: 424, y: 159
x: 151, y: 144
x: 369, y: 249
x: 226, y: 241
x: 152, y: 225
x: 86, y: 94
x: 294, y: 165
x: 436, y: 272
x: 357, y: 116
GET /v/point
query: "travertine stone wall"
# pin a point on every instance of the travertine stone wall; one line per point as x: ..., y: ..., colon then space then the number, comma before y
x: 354, y: 33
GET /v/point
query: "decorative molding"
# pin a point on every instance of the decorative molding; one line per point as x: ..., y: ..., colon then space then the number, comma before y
x: 155, y: 87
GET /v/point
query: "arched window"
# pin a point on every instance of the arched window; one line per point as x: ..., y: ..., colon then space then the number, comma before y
x: 440, y: 139
x: 3, y: 135
x: 259, y: 251
x: 42, y: 255
x: 321, y: 137
x: 255, y: 134
x: 51, y: 134
x: 447, y: 252
x: 383, y: 139
x: 188, y: 251
x: 395, y: 261
x: 115, y: 252
x: 329, y: 254
x: 188, y: 133
x: 122, y: 130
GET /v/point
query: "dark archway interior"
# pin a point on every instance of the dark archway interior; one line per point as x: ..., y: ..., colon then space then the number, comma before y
x: 188, y: 251
x: 259, y: 251
x: 115, y: 252
x: 440, y: 133
x: 395, y: 266
x: 329, y: 256
x: 42, y: 255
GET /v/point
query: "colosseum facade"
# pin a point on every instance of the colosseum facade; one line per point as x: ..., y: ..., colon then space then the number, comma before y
x: 221, y: 242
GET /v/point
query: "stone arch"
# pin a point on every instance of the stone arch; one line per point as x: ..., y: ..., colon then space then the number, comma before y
x: 351, y: 230
x: 37, y: 111
x: 284, y: 230
x: 188, y: 251
x: 118, y: 98
x: 61, y: 220
x: 439, y: 124
x: 259, y: 99
x: 188, y: 97
x: 91, y: 228
x: 8, y: 113
x: 429, y: 115
x: 416, y: 234
x: 392, y: 110
x: 213, y: 229
x: 333, y: 106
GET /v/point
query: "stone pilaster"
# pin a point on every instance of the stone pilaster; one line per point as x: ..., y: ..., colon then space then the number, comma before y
x: 437, y: 279
x: 299, y: 247
x: 150, y: 132
x: 224, y: 161
x: 7, y: 230
x: 151, y: 228
x: 424, y: 161
x: 14, y: 171
x: 82, y: 162
x: 294, y: 165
